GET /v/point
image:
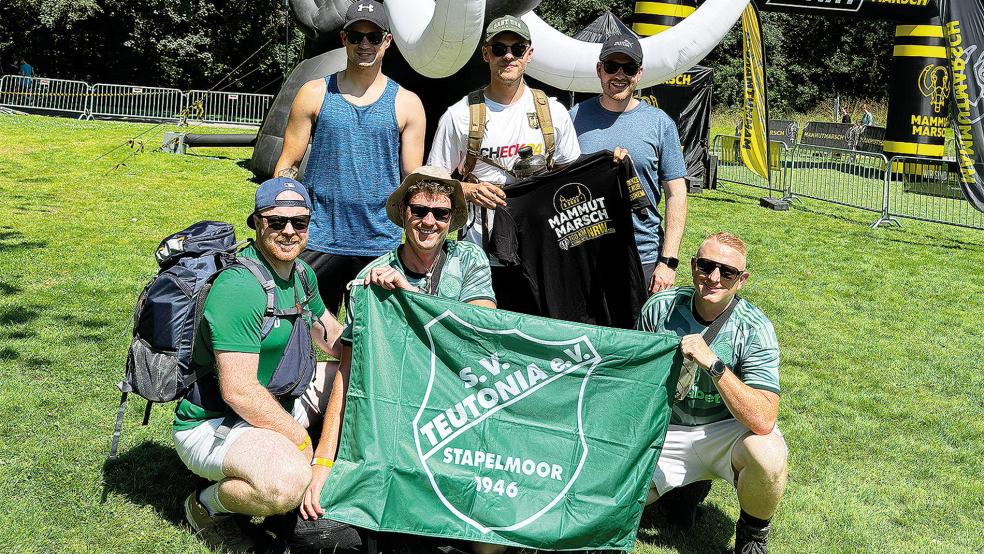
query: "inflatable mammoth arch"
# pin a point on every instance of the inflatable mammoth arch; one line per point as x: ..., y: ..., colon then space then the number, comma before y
x: 437, y: 54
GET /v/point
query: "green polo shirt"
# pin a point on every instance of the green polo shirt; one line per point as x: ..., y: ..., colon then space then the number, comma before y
x: 465, y: 277
x: 747, y: 343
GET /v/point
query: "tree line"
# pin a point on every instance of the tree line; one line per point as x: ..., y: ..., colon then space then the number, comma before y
x: 198, y: 44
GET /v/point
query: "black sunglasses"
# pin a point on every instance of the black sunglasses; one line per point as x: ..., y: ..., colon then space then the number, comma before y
x: 728, y: 273
x: 499, y: 49
x: 420, y: 212
x: 375, y: 37
x: 279, y: 222
x: 629, y: 68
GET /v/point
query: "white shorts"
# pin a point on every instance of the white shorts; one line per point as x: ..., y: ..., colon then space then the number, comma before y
x: 204, y: 453
x: 699, y: 453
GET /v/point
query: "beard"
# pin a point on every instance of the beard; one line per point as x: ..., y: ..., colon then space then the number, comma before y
x: 622, y: 95
x: 284, y: 250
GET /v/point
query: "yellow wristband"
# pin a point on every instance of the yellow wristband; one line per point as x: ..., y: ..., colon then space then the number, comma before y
x: 322, y: 462
x: 305, y: 444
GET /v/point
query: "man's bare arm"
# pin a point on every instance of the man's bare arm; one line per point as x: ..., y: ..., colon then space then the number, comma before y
x: 250, y: 400
x: 755, y: 408
x: 326, y: 334
x: 303, y: 113
x: 676, y: 219
x: 413, y: 123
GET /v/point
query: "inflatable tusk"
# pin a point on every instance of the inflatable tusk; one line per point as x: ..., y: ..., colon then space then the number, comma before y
x: 436, y: 40
x: 569, y: 64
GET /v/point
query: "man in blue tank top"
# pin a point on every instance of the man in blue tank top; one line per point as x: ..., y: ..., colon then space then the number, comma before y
x: 364, y: 129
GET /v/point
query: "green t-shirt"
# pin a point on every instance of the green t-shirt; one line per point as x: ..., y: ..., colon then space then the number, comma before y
x: 465, y: 277
x: 747, y: 343
x: 231, y: 322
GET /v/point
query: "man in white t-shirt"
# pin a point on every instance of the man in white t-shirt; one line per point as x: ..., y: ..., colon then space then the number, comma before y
x: 511, y: 121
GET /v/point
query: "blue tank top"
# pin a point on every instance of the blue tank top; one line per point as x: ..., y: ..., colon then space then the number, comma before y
x: 353, y: 167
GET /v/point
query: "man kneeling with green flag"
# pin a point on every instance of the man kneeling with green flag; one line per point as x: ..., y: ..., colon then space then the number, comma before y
x: 427, y: 205
x: 723, y: 423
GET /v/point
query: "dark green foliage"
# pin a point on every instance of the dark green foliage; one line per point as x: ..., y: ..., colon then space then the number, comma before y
x: 195, y: 43
x: 175, y: 43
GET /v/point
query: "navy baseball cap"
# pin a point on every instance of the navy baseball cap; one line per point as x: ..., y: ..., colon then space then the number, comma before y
x: 367, y: 10
x: 266, y: 196
x: 622, y: 44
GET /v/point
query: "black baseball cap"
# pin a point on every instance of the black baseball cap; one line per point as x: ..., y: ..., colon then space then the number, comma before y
x: 622, y: 44
x: 367, y: 10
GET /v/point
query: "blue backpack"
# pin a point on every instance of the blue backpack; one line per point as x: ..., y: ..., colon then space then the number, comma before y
x: 159, y: 366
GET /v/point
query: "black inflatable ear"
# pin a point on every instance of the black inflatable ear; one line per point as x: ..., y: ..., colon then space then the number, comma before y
x: 270, y: 139
x: 499, y: 8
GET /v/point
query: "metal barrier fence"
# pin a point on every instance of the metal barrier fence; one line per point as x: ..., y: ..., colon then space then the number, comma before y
x: 135, y: 102
x: 58, y: 95
x: 730, y: 167
x: 228, y: 107
x: 904, y: 187
x: 928, y: 190
x: 845, y: 177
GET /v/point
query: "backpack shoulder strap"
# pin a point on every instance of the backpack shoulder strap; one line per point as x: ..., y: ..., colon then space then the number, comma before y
x: 265, y: 279
x: 542, y: 105
x: 476, y: 130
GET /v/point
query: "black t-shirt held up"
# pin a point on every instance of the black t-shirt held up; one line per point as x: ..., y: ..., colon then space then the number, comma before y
x: 571, y: 232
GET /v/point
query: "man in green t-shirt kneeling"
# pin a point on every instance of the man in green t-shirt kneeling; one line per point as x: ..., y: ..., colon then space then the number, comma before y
x: 244, y: 425
x: 723, y: 423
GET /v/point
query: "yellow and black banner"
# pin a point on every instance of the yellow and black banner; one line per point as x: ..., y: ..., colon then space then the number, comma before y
x: 754, y: 129
x: 963, y: 28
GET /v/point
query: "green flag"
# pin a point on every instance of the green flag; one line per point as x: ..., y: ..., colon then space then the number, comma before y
x: 487, y: 425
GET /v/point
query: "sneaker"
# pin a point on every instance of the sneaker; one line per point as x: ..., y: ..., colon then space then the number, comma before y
x: 679, y: 505
x: 219, y: 532
x: 749, y: 540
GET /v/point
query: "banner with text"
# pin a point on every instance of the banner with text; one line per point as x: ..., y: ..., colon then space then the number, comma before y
x: 487, y: 425
x: 963, y: 27
x: 754, y: 129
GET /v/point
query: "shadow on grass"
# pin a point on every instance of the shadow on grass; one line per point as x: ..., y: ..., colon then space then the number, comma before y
x: 8, y: 290
x: 712, y: 533
x: 13, y: 240
x: 150, y: 474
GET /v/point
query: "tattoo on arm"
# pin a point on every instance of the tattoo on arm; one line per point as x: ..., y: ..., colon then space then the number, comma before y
x: 290, y: 172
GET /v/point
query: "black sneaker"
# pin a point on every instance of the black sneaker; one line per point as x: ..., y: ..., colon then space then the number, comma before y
x: 749, y: 540
x: 679, y: 505
x: 221, y: 533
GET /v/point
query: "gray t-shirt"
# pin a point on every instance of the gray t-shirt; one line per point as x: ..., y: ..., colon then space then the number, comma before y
x: 652, y: 140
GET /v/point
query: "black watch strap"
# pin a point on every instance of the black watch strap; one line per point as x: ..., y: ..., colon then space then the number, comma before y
x: 671, y: 263
x: 717, y: 368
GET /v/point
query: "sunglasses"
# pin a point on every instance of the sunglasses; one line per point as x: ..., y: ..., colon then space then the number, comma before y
x: 728, y: 273
x: 279, y: 222
x: 499, y: 49
x: 629, y: 68
x: 420, y: 212
x: 375, y: 37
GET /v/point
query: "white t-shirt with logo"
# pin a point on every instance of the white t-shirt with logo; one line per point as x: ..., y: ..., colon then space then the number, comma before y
x: 507, y: 128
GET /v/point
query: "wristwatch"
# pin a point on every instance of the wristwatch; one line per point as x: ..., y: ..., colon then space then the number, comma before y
x: 717, y: 368
x: 671, y: 263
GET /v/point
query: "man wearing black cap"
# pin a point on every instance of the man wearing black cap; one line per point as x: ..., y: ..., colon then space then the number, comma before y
x: 240, y: 425
x: 616, y: 120
x: 484, y: 153
x: 365, y: 132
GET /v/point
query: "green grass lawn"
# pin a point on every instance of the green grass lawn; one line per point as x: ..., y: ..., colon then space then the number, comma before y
x: 882, y: 354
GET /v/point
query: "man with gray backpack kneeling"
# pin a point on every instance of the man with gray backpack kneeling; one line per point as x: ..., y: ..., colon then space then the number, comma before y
x: 244, y: 425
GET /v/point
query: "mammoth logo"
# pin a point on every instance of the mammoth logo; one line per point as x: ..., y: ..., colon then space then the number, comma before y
x: 580, y: 217
x: 493, y: 436
x: 934, y: 82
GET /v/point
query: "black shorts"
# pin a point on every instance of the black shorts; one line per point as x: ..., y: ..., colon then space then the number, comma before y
x: 334, y: 272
